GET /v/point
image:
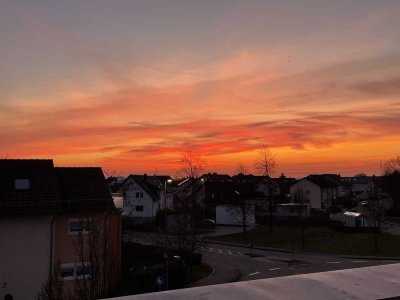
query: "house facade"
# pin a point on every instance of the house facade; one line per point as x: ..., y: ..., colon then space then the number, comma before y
x: 143, y: 196
x: 320, y: 191
x: 46, y: 215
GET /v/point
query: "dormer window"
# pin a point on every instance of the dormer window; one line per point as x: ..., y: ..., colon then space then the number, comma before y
x: 22, y: 184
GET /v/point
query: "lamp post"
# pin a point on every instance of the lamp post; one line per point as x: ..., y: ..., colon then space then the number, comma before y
x: 165, y: 232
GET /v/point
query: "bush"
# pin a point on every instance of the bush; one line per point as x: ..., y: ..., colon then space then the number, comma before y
x: 144, y: 281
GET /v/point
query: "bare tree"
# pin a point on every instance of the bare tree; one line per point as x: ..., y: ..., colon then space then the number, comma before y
x: 265, y: 166
x: 53, y: 288
x: 300, y: 199
x: 380, y: 203
x: 392, y: 165
x: 90, y: 282
x: 191, y: 166
x: 241, y: 210
x: 241, y: 169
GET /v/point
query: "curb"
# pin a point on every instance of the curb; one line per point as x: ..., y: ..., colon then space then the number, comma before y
x: 302, y: 252
x: 247, y: 247
x: 194, y: 284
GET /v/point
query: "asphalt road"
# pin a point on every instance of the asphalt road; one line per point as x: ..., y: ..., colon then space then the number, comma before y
x: 267, y: 264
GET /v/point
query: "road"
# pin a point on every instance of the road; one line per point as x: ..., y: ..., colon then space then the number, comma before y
x: 267, y: 264
x: 233, y: 263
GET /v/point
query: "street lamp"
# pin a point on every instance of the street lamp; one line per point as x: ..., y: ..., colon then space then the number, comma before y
x: 165, y: 232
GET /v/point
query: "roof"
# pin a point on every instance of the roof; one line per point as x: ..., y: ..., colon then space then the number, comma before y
x: 43, y: 196
x: 51, y: 190
x: 377, y: 282
x: 146, y: 182
x: 84, y: 188
x: 324, y: 181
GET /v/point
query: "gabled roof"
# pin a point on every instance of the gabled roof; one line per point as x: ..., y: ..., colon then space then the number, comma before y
x: 51, y: 190
x: 42, y: 197
x: 84, y: 188
x: 324, y: 181
x: 144, y: 182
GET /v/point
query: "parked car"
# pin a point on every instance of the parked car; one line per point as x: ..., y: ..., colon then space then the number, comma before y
x: 208, y: 223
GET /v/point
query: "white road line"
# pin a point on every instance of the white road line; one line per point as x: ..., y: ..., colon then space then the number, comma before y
x: 274, y: 269
x: 360, y: 261
x: 333, y: 262
x: 269, y: 261
x: 230, y: 252
x: 220, y: 251
x: 255, y: 273
x: 240, y: 253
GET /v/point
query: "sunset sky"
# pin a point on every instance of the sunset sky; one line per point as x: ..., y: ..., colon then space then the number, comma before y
x: 129, y: 85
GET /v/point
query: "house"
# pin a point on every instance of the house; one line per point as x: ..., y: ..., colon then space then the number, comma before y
x: 143, y: 196
x: 46, y: 214
x: 359, y: 187
x: 320, y: 191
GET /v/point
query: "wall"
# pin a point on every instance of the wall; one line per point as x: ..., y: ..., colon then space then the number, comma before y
x: 315, y: 192
x: 24, y: 255
x: 229, y: 215
x: 65, y: 250
x: 150, y: 207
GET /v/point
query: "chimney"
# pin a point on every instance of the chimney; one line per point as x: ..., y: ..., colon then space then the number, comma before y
x: 145, y: 177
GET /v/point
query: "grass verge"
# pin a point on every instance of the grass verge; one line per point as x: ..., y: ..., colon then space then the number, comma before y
x: 318, y: 239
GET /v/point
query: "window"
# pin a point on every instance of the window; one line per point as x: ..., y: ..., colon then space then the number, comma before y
x: 139, y: 207
x: 79, y: 225
x: 22, y: 184
x: 307, y: 192
x: 139, y: 194
x: 74, y: 271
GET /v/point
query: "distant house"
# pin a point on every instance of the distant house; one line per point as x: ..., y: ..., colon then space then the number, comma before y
x: 359, y: 187
x: 143, y: 196
x: 320, y: 191
x: 44, y: 213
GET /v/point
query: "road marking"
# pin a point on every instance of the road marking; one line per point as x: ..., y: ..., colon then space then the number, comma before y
x: 255, y: 273
x: 269, y: 261
x: 220, y: 251
x: 333, y: 262
x: 360, y: 261
x: 240, y: 253
x: 274, y: 269
x: 230, y: 252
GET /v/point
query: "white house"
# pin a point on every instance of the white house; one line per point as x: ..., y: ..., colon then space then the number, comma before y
x: 141, y: 199
x: 319, y: 190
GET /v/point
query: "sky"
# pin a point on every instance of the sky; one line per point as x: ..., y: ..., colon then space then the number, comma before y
x: 131, y: 85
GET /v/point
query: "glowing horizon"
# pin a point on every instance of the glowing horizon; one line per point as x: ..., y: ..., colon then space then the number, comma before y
x: 130, y: 86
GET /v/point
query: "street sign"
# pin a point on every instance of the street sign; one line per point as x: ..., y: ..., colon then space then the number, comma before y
x: 160, y: 280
